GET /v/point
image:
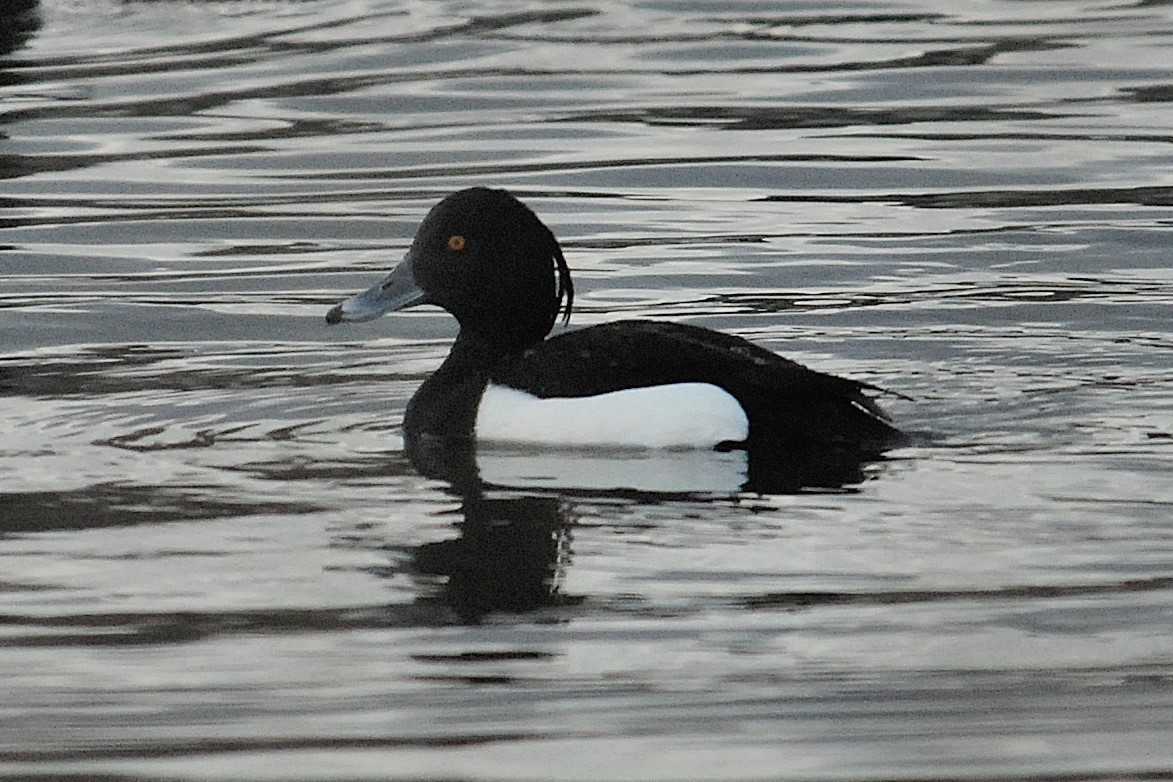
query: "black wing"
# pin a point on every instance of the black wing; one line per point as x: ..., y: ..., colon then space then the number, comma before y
x: 788, y: 405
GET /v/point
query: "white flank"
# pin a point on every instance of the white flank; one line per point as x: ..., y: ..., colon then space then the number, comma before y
x: 682, y: 415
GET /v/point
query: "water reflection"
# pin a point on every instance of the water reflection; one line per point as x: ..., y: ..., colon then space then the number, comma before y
x: 688, y: 473
x: 122, y: 504
x: 19, y: 19
x: 510, y: 555
x: 758, y: 118
x: 517, y: 508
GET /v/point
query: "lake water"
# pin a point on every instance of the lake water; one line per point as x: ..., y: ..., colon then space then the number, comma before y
x: 217, y: 563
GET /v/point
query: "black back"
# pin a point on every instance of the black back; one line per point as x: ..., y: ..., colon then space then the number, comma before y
x: 788, y: 405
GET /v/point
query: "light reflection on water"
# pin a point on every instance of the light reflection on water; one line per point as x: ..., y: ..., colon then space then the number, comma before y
x: 218, y: 562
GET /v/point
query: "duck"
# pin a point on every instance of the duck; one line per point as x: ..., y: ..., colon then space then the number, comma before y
x: 489, y: 261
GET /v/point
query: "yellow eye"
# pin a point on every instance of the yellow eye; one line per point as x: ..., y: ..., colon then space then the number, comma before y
x: 456, y: 242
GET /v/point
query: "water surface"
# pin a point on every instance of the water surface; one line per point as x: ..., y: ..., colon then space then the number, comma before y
x: 217, y: 562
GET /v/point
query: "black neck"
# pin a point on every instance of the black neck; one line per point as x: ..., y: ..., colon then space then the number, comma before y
x: 446, y: 404
x: 471, y: 352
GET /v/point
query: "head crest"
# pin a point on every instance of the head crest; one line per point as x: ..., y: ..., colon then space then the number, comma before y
x: 564, y: 295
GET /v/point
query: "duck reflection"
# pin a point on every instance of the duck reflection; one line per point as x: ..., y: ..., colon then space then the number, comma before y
x: 510, y: 552
x: 510, y: 555
x: 513, y: 543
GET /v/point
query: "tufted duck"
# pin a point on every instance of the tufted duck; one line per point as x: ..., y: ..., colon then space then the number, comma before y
x: 488, y: 260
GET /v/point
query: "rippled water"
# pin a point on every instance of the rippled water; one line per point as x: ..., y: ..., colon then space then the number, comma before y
x: 216, y: 562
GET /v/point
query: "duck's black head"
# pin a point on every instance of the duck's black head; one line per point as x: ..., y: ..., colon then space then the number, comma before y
x: 486, y: 258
